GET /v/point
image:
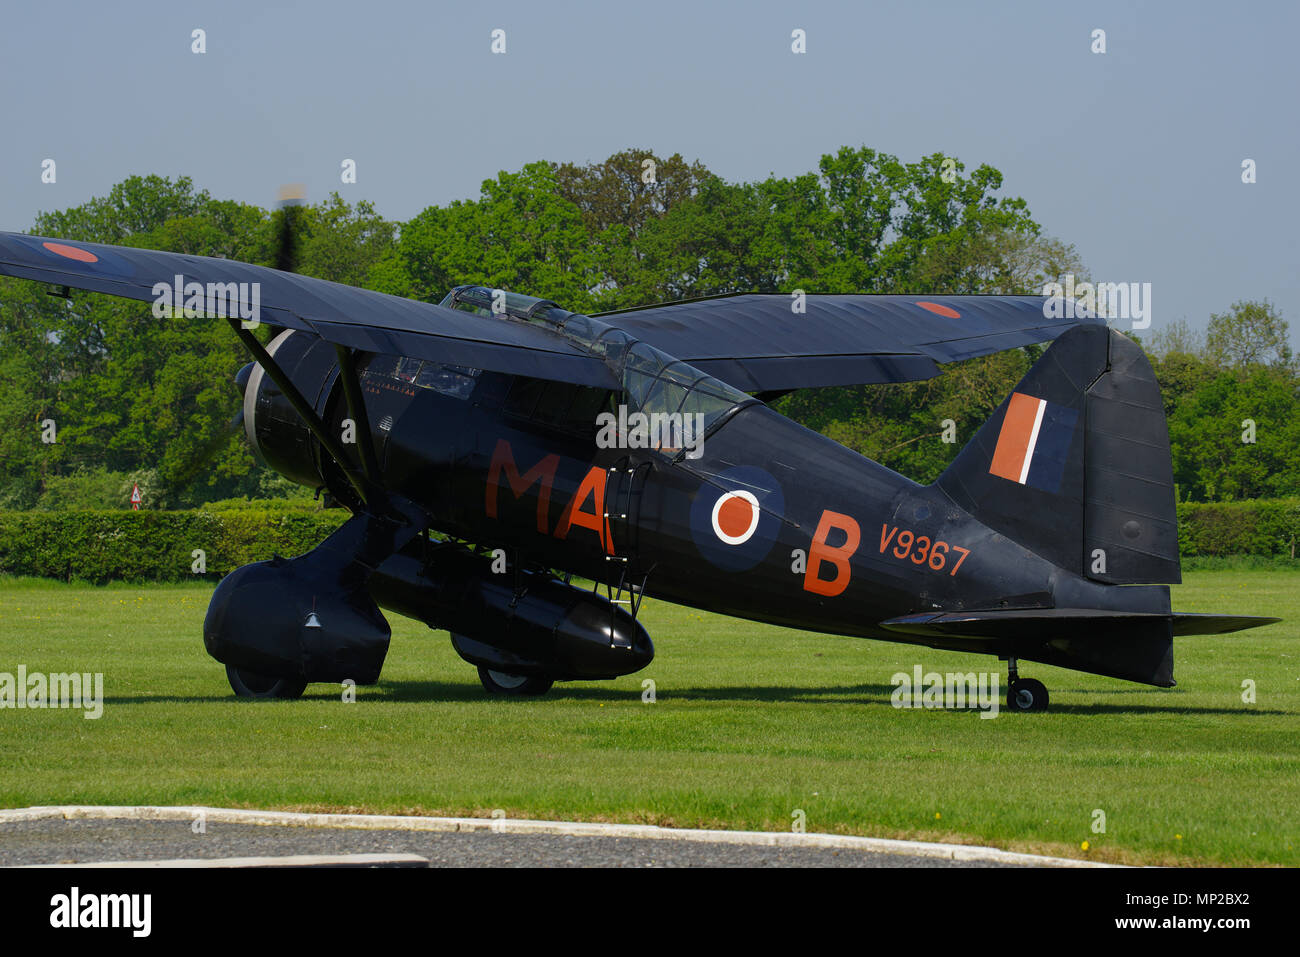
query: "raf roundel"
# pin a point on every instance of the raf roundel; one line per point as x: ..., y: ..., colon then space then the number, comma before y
x: 72, y: 252
x: 939, y: 309
x: 76, y: 260
x: 735, y: 517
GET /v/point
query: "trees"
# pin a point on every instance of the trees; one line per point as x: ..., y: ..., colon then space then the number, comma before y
x: 343, y: 243
x: 135, y: 206
x: 1176, y: 338
x: 520, y: 234
x: 628, y: 189
x: 922, y: 227
x: 1249, y: 334
x: 1235, y: 436
x: 30, y: 381
x: 914, y: 428
x: 126, y: 392
x: 130, y: 394
x: 729, y: 237
x: 1233, y: 404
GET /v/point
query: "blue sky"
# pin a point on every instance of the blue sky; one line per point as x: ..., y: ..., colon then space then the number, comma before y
x: 1134, y: 156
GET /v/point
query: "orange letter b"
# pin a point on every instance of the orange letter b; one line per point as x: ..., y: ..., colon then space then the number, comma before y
x: 839, y: 557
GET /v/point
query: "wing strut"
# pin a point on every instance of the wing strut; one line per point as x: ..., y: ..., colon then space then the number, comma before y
x: 357, y: 412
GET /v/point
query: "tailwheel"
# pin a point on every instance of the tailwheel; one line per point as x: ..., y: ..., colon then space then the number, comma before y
x: 503, y: 683
x: 249, y: 684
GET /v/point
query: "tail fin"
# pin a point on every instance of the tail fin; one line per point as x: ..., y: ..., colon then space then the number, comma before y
x: 1075, y: 463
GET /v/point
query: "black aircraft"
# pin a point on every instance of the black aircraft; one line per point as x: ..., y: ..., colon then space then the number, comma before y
x: 493, y: 446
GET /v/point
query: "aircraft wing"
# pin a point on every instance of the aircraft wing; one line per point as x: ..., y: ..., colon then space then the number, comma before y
x: 759, y: 343
x: 358, y: 318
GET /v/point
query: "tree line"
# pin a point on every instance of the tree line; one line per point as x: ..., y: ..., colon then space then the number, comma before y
x: 96, y: 395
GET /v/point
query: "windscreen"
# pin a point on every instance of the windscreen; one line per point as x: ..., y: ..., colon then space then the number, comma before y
x: 653, y: 381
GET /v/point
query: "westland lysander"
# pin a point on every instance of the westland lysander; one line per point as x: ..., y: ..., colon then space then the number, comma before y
x: 459, y: 431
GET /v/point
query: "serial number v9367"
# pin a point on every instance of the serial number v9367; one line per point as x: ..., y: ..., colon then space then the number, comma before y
x: 919, y: 550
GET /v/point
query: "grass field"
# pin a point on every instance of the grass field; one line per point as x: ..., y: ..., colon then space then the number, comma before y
x: 751, y: 724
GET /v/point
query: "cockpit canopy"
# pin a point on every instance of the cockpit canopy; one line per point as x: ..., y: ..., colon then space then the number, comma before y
x: 653, y: 381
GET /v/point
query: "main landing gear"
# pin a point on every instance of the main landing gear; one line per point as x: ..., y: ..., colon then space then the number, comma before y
x: 502, y: 683
x: 1024, y: 694
x: 248, y: 684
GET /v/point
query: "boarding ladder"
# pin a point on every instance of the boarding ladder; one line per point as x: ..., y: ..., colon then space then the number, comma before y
x: 625, y: 585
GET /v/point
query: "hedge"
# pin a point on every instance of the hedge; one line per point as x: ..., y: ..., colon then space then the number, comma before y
x: 144, y: 546
x: 1265, y: 527
x: 102, y: 546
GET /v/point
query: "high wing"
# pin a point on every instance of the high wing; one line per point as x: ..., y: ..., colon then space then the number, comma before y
x: 357, y: 318
x: 757, y: 343
x: 760, y: 343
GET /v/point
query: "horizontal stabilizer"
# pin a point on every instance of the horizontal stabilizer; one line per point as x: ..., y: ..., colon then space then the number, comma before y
x: 1187, y: 624
x: 1133, y: 645
x: 1019, y: 623
x: 1048, y: 623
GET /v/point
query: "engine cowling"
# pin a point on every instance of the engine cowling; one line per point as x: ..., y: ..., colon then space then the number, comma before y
x: 273, y: 428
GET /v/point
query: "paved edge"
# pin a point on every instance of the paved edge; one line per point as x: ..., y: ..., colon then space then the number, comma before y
x: 293, y: 860
x: 394, y: 822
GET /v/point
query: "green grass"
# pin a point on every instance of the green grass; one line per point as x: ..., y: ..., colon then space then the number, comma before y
x: 751, y: 723
x: 1239, y: 563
